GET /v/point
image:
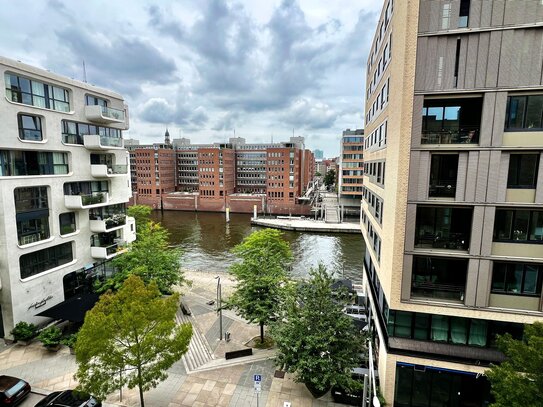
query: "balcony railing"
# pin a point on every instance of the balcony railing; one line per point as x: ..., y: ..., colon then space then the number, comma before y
x: 442, y: 189
x: 103, y: 170
x: 107, y: 251
x: 85, y: 201
x: 452, y: 241
x: 97, y: 142
x: 108, y: 223
x: 459, y: 136
x: 104, y: 114
x: 427, y: 289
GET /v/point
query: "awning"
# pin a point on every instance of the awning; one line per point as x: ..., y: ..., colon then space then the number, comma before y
x: 73, y: 309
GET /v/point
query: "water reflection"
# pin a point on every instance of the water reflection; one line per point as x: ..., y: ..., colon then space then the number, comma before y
x: 207, y: 239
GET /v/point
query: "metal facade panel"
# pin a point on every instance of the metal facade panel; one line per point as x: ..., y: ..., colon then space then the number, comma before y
x: 539, y: 186
x: 471, y: 282
x: 418, y: 103
x: 514, y: 11
x: 410, y: 223
x: 486, y: 13
x: 494, y: 179
x: 508, y: 58
x: 498, y: 9
x: 406, y: 277
x: 487, y: 119
x: 476, y: 230
x: 473, y: 161
x: 475, y: 14
x: 536, y: 52
x: 488, y: 230
x: 482, y: 176
x: 483, y: 283
x: 420, y: 72
x: 461, y: 177
x: 414, y: 176
x: 499, y: 118
x: 472, y: 60
x: 493, y: 59
x: 503, y: 173
x: 463, y: 62
x: 424, y: 16
x: 424, y: 176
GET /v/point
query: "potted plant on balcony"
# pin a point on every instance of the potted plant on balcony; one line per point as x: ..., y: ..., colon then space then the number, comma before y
x: 115, y: 220
x: 24, y: 332
x: 50, y: 338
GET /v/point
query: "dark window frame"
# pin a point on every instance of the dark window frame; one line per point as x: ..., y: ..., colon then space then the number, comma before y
x: 23, y: 130
x: 518, y: 163
x: 24, y: 91
x: 63, y: 223
x: 512, y: 231
x: 510, y: 268
x: 40, y: 261
x: 525, y: 98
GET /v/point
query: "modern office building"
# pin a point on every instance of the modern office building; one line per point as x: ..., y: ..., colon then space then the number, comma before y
x: 350, y: 171
x: 454, y: 226
x: 235, y: 175
x: 64, y: 183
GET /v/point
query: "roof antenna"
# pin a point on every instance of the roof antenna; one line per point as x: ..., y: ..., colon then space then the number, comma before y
x: 84, y: 72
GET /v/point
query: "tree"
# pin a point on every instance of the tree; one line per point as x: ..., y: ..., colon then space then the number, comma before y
x: 129, y: 338
x: 150, y: 258
x: 519, y: 380
x: 316, y: 340
x: 140, y: 213
x: 261, y: 276
x: 330, y: 178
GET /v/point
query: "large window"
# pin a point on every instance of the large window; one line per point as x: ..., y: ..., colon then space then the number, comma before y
x: 439, y: 277
x: 524, y: 113
x: 94, y: 100
x: 443, y: 174
x: 517, y: 278
x: 523, y: 226
x: 46, y: 259
x: 30, y: 127
x: 32, y: 214
x: 523, y: 170
x: 442, y: 227
x: 21, y: 163
x: 35, y: 93
x: 73, y: 132
x: 451, y: 121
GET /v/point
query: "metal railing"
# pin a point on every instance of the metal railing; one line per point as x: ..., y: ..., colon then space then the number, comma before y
x: 442, y: 189
x: 468, y: 135
x: 113, y: 113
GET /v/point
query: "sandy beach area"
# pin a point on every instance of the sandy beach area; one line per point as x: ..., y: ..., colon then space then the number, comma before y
x: 202, y: 280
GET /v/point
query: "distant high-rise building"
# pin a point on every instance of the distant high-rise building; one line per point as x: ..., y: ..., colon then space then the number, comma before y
x: 350, y: 170
x: 454, y: 226
x: 319, y: 154
x: 64, y: 184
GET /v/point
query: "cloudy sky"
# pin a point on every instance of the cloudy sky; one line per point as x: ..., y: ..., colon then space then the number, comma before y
x: 203, y: 68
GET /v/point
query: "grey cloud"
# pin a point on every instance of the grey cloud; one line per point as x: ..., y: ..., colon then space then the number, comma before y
x: 305, y: 113
x: 181, y: 113
x: 227, y: 121
x: 164, y: 25
x: 118, y: 62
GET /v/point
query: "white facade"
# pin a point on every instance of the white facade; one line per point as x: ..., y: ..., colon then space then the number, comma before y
x: 29, y: 159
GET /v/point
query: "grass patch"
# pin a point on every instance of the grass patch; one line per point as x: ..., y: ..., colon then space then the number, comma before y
x: 255, y: 343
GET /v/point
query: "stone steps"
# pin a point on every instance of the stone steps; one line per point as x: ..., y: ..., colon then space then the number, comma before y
x: 199, y: 352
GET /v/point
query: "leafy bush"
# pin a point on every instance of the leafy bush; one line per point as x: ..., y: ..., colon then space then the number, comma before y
x: 50, y: 337
x: 24, y: 331
x: 69, y: 340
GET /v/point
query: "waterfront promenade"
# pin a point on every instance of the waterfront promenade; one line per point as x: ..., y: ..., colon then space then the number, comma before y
x: 201, y: 378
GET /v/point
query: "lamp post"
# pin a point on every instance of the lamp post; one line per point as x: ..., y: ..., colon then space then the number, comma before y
x: 219, y: 305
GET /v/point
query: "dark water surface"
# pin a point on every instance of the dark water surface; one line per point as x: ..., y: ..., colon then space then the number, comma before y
x: 206, y: 240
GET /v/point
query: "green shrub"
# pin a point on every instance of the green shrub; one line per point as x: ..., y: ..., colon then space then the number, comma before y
x: 50, y: 337
x: 24, y: 331
x: 69, y: 340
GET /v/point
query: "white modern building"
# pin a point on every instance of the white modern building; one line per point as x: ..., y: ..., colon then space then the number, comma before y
x: 64, y: 183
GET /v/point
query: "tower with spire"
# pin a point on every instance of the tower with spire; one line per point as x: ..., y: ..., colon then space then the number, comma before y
x: 167, y: 137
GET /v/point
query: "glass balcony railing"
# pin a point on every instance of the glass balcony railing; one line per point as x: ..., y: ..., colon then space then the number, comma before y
x: 451, y: 241
x: 111, y: 141
x: 94, y: 198
x: 428, y: 289
x: 452, y: 136
x: 113, y: 113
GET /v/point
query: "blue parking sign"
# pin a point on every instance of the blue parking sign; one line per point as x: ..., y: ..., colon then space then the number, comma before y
x: 257, y: 377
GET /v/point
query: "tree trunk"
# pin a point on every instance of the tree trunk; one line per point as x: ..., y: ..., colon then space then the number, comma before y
x: 142, y: 403
x: 261, y: 332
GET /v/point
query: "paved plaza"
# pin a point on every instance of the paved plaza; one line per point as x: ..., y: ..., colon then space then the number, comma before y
x: 201, y: 378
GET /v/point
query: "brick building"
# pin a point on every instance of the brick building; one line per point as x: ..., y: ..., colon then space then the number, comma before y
x: 213, y: 177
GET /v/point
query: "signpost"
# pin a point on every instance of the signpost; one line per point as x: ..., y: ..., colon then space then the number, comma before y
x: 257, y: 378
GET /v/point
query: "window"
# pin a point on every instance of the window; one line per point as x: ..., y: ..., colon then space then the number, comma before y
x: 32, y: 214
x: 442, y: 227
x: 521, y: 226
x: 42, y: 260
x: 439, y: 277
x: 34, y: 93
x: 523, y: 171
x: 73, y: 132
x: 67, y: 223
x: 443, y: 173
x: 524, y: 112
x: 517, y: 278
x: 22, y: 163
x: 94, y: 100
x: 30, y: 127
x: 464, y: 13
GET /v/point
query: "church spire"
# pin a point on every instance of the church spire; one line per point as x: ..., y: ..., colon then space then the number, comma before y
x: 167, y: 137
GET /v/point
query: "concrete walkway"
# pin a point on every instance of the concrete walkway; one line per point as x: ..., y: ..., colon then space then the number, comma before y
x: 203, y: 378
x: 308, y: 225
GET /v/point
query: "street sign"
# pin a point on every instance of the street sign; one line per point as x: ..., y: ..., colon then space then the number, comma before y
x: 257, y: 377
x: 258, y: 387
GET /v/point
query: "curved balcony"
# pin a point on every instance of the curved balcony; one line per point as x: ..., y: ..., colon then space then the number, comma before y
x: 88, y: 201
x: 108, y: 171
x: 108, y: 252
x: 108, y: 224
x: 97, y: 142
x: 104, y: 114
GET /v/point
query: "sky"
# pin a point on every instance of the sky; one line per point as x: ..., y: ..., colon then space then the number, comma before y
x: 209, y: 69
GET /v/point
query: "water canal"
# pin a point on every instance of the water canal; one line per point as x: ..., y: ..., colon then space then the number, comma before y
x: 206, y: 240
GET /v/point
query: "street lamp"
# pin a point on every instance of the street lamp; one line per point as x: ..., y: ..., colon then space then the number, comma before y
x: 219, y: 305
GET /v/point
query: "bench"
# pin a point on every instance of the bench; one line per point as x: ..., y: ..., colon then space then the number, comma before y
x: 238, y: 353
